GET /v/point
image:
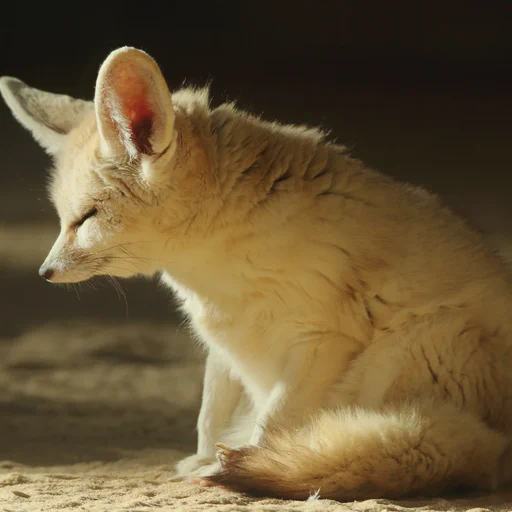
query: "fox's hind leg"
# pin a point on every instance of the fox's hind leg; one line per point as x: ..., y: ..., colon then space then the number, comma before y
x: 429, y: 414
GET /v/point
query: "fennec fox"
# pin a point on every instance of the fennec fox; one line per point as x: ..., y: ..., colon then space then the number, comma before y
x: 358, y: 333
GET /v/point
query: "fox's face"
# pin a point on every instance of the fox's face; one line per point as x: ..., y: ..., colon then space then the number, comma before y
x: 115, y: 164
x: 103, y: 222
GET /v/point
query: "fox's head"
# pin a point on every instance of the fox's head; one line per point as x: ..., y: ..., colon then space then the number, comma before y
x: 119, y: 185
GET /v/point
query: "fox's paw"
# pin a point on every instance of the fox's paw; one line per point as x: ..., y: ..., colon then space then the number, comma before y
x: 225, y: 454
x: 232, y: 464
x: 204, y: 475
x: 190, y: 465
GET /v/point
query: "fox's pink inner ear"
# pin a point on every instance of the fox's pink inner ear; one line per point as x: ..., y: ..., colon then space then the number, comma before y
x: 141, y: 127
x: 133, y: 96
x: 133, y: 105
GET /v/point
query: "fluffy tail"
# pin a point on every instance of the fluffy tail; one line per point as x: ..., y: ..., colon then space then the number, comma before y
x: 358, y: 454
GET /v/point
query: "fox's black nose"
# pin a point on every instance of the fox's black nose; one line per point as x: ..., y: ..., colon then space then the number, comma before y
x: 46, y: 273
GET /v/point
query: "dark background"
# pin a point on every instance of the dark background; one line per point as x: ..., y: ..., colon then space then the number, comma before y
x: 420, y: 90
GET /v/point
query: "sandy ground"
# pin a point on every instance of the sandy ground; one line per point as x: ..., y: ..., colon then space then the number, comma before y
x: 95, y: 412
x: 93, y: 418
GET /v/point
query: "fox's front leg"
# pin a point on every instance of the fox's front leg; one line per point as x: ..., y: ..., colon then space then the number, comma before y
x: 311, y: 371
x: 221, y: 394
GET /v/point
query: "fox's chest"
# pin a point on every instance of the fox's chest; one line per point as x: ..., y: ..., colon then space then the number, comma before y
x: 253, y: 344
x: 257, y: 335
x: 252, y: 340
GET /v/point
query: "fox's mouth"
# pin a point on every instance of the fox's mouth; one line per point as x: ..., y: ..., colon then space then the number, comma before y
x: 85, y: 265
x: 77, y: 273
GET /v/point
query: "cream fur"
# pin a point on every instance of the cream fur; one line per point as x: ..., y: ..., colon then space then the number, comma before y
x: 358, y: 333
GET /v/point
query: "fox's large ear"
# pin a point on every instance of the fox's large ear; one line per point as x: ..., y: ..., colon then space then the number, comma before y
x: 48, y: 116
x: 133, y: 106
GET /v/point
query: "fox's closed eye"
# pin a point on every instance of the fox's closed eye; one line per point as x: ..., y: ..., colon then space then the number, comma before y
x: 91, y: 213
